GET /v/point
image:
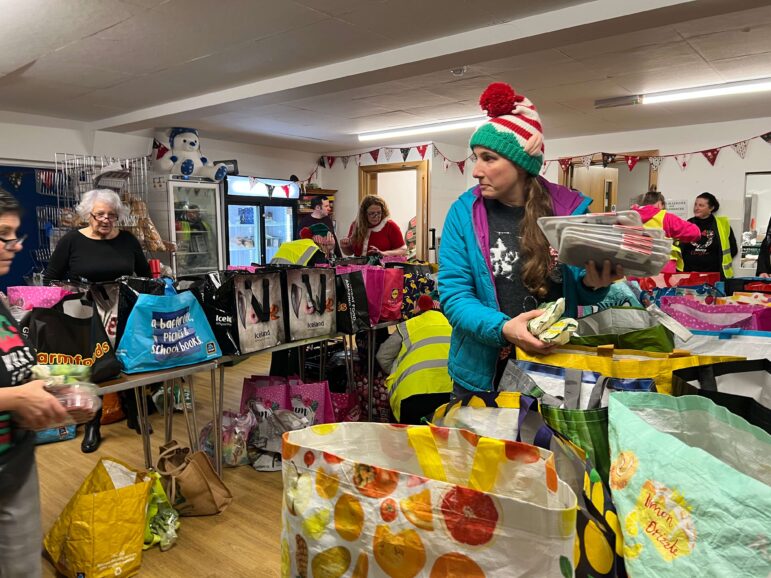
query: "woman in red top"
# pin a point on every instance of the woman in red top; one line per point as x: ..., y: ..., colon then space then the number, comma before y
x: 373, y: 232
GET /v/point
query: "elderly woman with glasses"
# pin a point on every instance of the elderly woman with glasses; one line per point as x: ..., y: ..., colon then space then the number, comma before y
x: 373, y: 233
x: 99, y: 252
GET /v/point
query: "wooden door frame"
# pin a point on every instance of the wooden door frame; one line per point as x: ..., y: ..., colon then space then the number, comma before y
x: 564, y: 177
x: 368, y: 186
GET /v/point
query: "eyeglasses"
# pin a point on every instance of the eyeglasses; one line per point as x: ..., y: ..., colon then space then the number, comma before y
x: 9, y: 244
x: 374, y: 213
x: 112, y: 217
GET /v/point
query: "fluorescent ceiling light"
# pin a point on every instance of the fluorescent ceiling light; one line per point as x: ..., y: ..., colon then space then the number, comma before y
x: 439, y: 126
x: 745, y: 87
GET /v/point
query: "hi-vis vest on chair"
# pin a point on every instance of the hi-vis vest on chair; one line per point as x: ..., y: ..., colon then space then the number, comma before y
x: 421, y: 366
x: 298, y: 252
x: 657, y: 222
x: 724, y: 232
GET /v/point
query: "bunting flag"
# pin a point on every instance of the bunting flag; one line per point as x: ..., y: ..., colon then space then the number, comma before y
x: 545, y: 167
x: 711, y: 155
x: 766, y: 137
x: 286, y: 189
x: 682, y: 160
x: 446, y: 163
x: 607, y: 158
x: 252, y: 182
x: 461, y: 166
x: 586, y: 161
x: 631, y: 161
x: 358, y: 160
x: 565, y: 163
x: 345, y: 160
x: 331, y: 161
x: 655, y: 162
x: 159, y: 149
x: 270, y: 190
x: 388, y: 154
x: 473, y: 157
x: 374, y: 154
x: 437, y: 152
x: 322, y: 163
x: 740, y: 148
x: 405, y: 153
x: 422, y: 150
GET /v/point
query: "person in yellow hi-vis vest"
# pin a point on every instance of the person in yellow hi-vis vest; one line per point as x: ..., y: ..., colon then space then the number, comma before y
x: 716, y: 248
x: 415, y: 355
x: 299, y: 252
x: 654, y: 216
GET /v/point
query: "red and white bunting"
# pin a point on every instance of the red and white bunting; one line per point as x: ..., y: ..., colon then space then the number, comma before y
x: 631, y: 161
x: 655, y: 162
x: 374, y: 154
x: 740, y: 148
x: 446, y: 164
x: 682, y: 160
x: 437, y: 152
x: 345, y: 160
x: 286, y: 189
x: 711, y: 155
x: 330, y: 161
x: 388, y: 153
x: 545, y: 167
x: 461, y: 166
x: 422, y: 150
x: 586, y: 161
x: 565, y: 163
x: 358, y: 159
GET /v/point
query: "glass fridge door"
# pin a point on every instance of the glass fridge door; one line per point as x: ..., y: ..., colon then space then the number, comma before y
x: 196, y: 226
x: 244, y: 234
x: 278, y: 228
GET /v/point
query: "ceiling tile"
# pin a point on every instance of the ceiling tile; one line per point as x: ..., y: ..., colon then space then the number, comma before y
x: 445, y: 111
x: 508, y: 11
x: 624, y: 42
x: 525, y: 80
x: 464, y: 89
x: 385, y: 121
x: 25, y: 95
x: 733, y: 43
x: 658, y: 57
x: 744, y: 67
x: 337, y: 7
x: 530, y: 59
x: 405, y: 99
x: 672, y: 78
x: 335, y: 106
x: 142, y: 92
x: 53, y: 68
x: 727, y: 21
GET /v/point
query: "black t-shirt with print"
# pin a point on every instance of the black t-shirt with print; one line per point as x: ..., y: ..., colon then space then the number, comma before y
x: 504, y: 231
x: 706, y: 253
x: 16, y: 361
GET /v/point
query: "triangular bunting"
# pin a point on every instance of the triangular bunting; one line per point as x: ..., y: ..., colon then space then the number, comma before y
x: 388, y: 154
x: 345, y: 160
x: 446, y: 164
x: 740, y: 148
x: 586, y: 161
x: 270, y: 190
x: 436, y: 153
x: 331, y: 161
x: 607, y: 158
x: 545, y: 167
x: 252, y: 182
x: 374, y: 154
x: 565, y: 163
x: 322, y: 163
x: 711, y: 155
x: 655, y: 162
x: 682, y: 160
x: 159, y: 149
x: 286, y: 189
x: 461, y: 166
x: 631, y: 161
x: 405, y: 153
x: 358, y: 160
x: 766, y: 137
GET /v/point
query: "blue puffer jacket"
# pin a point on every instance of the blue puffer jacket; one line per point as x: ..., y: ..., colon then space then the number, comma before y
x: 467, y: 289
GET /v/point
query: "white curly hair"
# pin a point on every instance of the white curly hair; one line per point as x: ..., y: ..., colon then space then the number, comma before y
x: 89, y: 199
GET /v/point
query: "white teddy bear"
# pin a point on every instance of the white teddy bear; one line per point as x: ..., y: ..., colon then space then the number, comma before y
x: 178, y: 152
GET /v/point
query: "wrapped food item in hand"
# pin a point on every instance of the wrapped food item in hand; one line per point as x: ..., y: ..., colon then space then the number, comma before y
x: 559, y: 333
x: 64, y: 373
x: 80, y: 399
x: 552, y: 312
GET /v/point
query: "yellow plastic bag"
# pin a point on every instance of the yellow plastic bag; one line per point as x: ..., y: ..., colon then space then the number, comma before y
x: 626, y: 363
x: 100, y: 532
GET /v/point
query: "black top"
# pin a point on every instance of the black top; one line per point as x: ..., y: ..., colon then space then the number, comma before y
x: 705, y: 255
x: 76, y: 256
x: 309, y: 220
x: 503, y: 227
x: 764, y: 256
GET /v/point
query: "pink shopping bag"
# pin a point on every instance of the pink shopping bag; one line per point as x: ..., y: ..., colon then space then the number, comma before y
x: 393, y: 294
x: 701, y: 316
x: 29, y: 296
x: 312, y: 401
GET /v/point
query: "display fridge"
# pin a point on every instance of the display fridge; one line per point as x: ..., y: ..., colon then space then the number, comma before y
x: 195, y: 226
x: 261, y: 214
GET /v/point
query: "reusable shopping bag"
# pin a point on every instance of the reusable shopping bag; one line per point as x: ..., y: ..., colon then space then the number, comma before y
x: 623, y: 327
x: 677, y: 280
x: 376, y: 499
x: 625, y: 363
x: 309, y: 400
x: 352, y: 305
x: 695, y: 315
x: 29, y: 296
x: 192, y: 485
x: 236, y: 429
x: 115, y: 300
x: 101, y: 530
x: 512, y: 416
x: 692, y: 485
x: 415, y: 284
x: 744, y: 387
x: 310, y: 294
x: 751, y: 344
x: 165, y: 331
x: 750, y: 284
x: 245, y: 310
x: 708, y: 294
x: 393, y: 294
x: 71, y: 332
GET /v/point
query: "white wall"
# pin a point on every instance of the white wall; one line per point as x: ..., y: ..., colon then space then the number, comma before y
x: 631, y: 183
x: 447, y: 185
x: 399, y: 190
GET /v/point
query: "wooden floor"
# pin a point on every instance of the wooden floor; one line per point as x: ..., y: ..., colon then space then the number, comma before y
x: 242, y: 541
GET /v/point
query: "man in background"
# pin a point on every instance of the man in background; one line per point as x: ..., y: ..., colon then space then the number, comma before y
x: 320, y: 215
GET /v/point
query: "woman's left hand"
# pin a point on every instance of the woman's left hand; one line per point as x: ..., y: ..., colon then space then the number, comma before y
x: 597, y: 279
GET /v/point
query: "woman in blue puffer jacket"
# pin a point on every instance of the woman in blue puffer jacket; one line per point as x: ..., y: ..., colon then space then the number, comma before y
x: 495, y: 264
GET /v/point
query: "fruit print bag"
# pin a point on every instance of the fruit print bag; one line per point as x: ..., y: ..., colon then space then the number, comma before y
x: 692, y: 485
x: 366, y: 499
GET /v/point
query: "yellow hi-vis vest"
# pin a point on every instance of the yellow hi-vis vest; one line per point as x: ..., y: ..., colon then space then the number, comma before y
x: 657, y: 222
x: 299, y: 252
x: 421, y: 366
x: 724, y: 232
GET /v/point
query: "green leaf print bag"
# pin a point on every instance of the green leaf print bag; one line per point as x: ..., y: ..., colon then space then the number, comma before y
x: 691, y: 484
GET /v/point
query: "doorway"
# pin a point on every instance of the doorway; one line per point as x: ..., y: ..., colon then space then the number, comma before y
x: 404, y: 188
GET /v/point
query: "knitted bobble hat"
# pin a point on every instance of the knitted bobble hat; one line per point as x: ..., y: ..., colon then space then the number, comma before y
x: 514, y: 129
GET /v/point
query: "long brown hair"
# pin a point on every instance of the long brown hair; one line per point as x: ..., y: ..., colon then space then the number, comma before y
x: 362, y: 223
x: 534, y: 248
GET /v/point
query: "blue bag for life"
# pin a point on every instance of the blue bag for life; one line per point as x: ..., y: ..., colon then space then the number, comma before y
x: 166, y: 331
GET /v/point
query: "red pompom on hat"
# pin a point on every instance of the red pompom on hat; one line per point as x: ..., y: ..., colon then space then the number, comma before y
x: 306, y: 233
x: 499, y: 99
x: 425, y: 303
